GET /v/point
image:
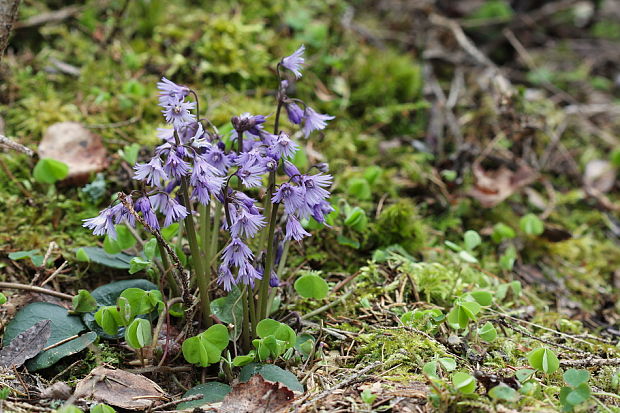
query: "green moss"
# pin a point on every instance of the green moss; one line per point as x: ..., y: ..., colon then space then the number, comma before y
x: 407, y: 350
x: 400, y: 224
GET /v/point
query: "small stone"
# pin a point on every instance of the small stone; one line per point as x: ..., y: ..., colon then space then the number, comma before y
x: 78, y: 147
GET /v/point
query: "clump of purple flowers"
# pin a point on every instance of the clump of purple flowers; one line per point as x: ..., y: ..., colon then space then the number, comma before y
x: 195, y: 177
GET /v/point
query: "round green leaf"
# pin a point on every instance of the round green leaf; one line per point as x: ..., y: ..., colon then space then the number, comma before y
x: 150, y: 248
x: 269, y: 327
x: 138, y: 264
x: 359, y: 188
x: 81, y: 255
x: 471, y: 239
x: 501, y: 232
x: 49, y: 170
x: 2, y: 299
x: 311, y: 286
x: 229, y: 309
x: 531, y: 225
x: 107, y: 295
x: 124, y: 237
x: 579, y: 395
x: 138, y: 334
x: 484, y: 298
x: 543, y: 359
x: 503, y: 392
x: 448, y: 363
x: 84, y: 302
x: 110, y: 245
x: 465, y: 383
x: 487, y: 332
x: 108, y: 319
x: 574, y: 377
x: 102, y: 408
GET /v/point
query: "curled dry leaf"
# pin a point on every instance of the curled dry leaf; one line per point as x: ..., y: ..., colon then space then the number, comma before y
x: 119, y: 388
x: 79, y: 148
x: 599, y: 176
x: 494, y: 186
x: 26, y: 345
x: 257, y: 396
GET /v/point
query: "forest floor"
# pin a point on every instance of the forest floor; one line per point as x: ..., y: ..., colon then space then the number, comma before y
x: 475, y: 155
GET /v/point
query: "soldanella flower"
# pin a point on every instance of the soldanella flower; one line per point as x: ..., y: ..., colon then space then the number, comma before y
x: 314, y: 121
x: 291, y: 196
x: 236, y: 253
x: 295, y: 61
x: 314, y: 186
x: 178, y: 112
x: 144, y: 205
x: 170, y: 91
x: 173, y: 211
x: 294, y: 230
x: 102, y: 224
x: 251, y: 175
x: 284, y: 146
x: 225, y: 277
x: 245, y: 224
x: 294, y: 112
x: 247, y: 274
x: 190, y: 178
x: 175, y: 166
x: 152, y: 173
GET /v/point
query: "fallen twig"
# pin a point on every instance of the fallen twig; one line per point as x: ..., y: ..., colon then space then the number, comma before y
x: 590, y: 362
x: 175, y: 402
x: 17, y: 286
x: 11, y: 144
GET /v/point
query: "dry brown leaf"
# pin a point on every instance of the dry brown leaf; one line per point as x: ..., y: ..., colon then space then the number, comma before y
x: 26, y: 345
x: 119, y: 388
x: 257, y: 396
x: 79, y: 148
x: 494, y: 186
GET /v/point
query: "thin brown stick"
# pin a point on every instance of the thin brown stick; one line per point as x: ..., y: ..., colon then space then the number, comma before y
x: 61, y: 342
x: 175, y: 402
x: 17, y: 286
x: 55, y: 273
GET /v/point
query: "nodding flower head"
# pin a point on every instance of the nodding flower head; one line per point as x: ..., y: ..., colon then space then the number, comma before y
x: 294, y: 230
x: 284, y: 146
x: 295, y: 61
x: 236, y: 253
x: 170, y: 91
x: 294, y: 112
x: 102, y: 224
x: 225, y: 278
x: 314, y: 121
x: 152, y: 173
x: 144, y: 205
